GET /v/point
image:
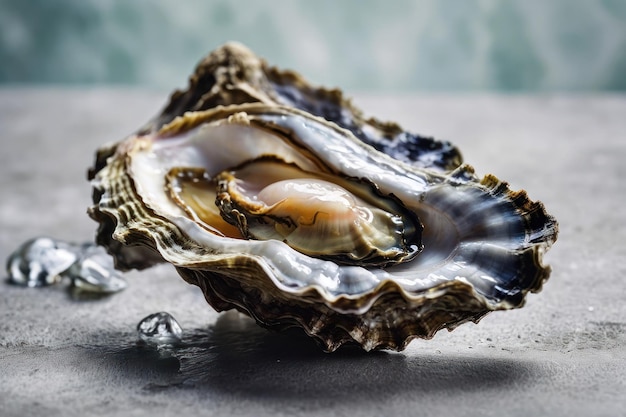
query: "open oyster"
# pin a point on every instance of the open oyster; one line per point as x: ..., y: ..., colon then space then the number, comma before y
x: 282, y: 201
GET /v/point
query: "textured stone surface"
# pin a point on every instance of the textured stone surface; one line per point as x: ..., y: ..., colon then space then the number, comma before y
x: 561, y: 355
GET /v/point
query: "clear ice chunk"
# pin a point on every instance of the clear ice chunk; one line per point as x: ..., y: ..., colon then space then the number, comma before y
x: 45, y: 261
x: 39, y: 262
x: 94, y: 271
x: 160, y: 329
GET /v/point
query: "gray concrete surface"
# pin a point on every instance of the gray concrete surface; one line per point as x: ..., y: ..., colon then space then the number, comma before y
x: 562, y: 355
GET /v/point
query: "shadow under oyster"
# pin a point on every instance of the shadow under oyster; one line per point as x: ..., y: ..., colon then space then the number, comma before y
x: 281, y: 200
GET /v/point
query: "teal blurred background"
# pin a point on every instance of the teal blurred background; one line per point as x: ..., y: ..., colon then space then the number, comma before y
x: 366, y: 45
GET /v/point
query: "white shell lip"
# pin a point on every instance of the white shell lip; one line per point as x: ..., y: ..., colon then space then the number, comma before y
x: 483, y: 243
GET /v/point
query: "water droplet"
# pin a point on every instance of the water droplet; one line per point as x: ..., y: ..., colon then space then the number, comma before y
x: 94, y: 271
x: 160, y: 329
x: 39, y: 262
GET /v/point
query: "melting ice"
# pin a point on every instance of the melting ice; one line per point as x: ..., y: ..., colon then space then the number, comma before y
x: 45, y: 261
x: 160, y: 329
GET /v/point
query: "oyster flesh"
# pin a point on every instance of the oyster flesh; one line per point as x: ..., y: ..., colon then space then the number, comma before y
x: 281, y: 200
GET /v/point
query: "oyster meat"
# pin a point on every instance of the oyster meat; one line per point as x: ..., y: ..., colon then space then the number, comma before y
x: 281, y: 200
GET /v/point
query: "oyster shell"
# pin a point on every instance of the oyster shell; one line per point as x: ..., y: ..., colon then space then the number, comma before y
x: 201, y: 187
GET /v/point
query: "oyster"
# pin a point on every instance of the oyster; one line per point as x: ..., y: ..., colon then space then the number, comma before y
x: 284, y: 202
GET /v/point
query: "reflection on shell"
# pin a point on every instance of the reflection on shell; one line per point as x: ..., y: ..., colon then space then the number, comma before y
x: 390, y: 238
